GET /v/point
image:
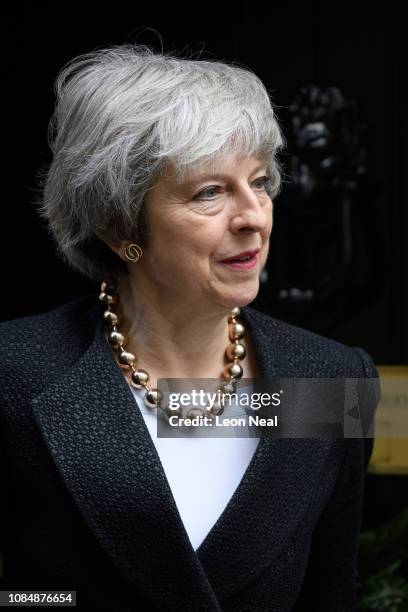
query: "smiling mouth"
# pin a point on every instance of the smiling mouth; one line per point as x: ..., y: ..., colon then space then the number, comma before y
x: 245, y: 263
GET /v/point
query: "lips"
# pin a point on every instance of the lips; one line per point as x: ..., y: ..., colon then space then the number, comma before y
x: 244, y: 256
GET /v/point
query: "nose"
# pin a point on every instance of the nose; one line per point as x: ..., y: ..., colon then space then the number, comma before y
x: 250, y: 212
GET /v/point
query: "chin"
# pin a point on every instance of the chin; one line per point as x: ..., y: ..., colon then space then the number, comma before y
x: 242, y: 298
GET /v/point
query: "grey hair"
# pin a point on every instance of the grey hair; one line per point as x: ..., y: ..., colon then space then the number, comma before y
x: 122, y: 115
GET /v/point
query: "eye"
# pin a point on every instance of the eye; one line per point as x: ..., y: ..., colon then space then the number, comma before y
x: 263, y: 181
x: 200, y: 195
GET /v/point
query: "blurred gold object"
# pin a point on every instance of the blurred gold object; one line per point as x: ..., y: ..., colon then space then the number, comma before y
x: 390, y: 452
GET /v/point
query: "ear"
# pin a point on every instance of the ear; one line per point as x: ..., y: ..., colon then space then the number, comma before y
x: 117, y: 247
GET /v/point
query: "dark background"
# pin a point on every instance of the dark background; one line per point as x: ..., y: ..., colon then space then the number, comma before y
x: 356, y: 47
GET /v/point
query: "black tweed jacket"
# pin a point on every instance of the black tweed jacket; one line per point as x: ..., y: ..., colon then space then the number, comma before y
x: 86, y: 504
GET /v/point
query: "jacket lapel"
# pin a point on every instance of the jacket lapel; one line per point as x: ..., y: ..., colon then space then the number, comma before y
x: 117, y: 480
x: 262, y: 517
x: 116, y: 477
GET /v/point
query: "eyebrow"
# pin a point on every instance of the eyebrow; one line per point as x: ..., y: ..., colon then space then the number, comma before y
x: 216, y: 176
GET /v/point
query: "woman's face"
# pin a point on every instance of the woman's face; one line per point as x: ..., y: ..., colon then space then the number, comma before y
x: 195, y: 224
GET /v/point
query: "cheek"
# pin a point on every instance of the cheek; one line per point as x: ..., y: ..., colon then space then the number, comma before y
x: 270, y: 215
x: 186, y: 237
x: 201, y: 239
x: 269, y: 225
x: 186, y: 251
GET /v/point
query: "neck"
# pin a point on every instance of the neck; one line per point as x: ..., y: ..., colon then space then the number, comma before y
x: 172, y: 339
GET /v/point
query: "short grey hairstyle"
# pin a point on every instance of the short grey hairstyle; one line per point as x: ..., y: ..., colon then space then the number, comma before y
x: 122, y: 114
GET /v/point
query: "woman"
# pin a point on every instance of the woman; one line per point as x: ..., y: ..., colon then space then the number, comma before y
x: 164, y: 169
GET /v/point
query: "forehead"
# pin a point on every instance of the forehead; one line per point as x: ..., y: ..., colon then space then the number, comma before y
x: 214, y: 170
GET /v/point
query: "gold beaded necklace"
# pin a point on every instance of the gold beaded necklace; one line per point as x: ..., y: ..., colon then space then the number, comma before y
x: 139, y: 378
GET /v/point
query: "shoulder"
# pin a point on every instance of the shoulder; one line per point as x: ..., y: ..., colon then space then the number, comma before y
x: 305, y: 353
x: 300, y: 353
x: 34, y: 348
x: 64, y: 318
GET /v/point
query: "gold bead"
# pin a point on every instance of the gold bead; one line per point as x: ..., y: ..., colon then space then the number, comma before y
x: 194, y: 412
x: 173, y: 411
x: 115, y: 338
x: 233, y: 369
x: 215, y: 410
x: 235, y: 350
x: 126, y: 359
x: 152, y: 398
x: 139, y: 378
x: 236, y: 331
x: 235, y: 312
x: 107, y: 299
x: 228, y: 386
x: 110, y: 317
x: 107, y: 287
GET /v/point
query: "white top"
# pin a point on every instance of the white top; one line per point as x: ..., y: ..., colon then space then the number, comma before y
x: 203, y: 472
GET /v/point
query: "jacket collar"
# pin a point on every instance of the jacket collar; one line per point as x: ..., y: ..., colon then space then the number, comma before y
x: 118, y: 482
